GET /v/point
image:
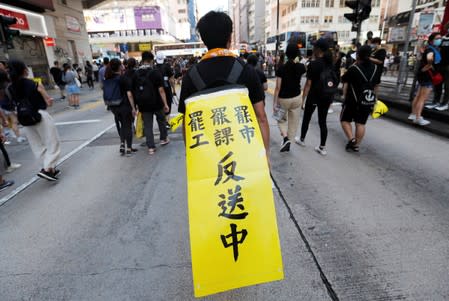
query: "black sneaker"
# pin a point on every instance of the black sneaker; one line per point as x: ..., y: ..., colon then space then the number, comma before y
x: 351, y: 146
x: 57, y: 172
x: 47, y: 175
x: 6, y: 184
x: 285, y: 147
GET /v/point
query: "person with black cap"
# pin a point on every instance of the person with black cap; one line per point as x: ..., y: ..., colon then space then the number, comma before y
x: 312, y: 95
x: 354, y: 81
x: 287, y: 95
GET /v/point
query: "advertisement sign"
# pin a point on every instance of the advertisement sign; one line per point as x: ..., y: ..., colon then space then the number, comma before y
x: 425, y: 24
x: 109, y: 19
x: 397, y: 34
x: 22, y: 21
x: 148, y: 17
x: 233, y: 230
x: 49, y: 42
x: 72, y: 23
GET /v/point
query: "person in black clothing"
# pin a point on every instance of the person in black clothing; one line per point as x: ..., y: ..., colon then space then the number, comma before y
x: 168, y: 77
x: 444, y: 69
x: 253, y: 60
x: 89, y: 74
x: 377, y: 57
x: 287, y: 95
x: 126, y: 110
x: 56, y: 73
x: 215, y: 29
x: 42, y: 136
x: 151, y: 107
x: 351, y: 110
x: 312, y: 96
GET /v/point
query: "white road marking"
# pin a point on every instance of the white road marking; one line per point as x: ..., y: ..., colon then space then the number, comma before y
x: 34, y: 179
x: 78, y: 122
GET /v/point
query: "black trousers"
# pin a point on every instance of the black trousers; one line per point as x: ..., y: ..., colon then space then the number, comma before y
x: 148, y: 119
x: 5, y: 154
x: 323, y: 108
x: 90, y: 81
x: 124, y: 117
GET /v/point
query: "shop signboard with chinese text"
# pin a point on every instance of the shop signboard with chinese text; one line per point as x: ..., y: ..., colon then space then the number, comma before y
x: 233, y: 229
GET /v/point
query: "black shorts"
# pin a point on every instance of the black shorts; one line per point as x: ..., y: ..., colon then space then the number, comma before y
x: 351, y: 112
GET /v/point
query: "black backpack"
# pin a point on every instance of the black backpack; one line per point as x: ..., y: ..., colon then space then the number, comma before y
x: 26, y: 114
x: 366, y: 96
x: 328, y: 83
x: 112, y: 95
x: 143, y: 90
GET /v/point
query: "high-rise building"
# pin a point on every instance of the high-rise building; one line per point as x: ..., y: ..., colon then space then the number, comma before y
x: 193, y: 19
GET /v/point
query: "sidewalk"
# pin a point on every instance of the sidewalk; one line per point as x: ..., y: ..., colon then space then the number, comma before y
x: 87, y: 96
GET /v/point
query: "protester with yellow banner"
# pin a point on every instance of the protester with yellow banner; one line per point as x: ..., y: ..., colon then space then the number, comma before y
x: 233, y: 230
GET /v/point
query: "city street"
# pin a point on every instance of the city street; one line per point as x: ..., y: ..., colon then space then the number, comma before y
x: 353, y: 226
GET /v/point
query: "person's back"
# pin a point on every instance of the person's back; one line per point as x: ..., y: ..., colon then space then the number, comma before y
x: 56, y: 72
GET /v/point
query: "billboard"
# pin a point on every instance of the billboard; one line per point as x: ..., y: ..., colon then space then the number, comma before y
x: 109, y: 19
x: 148, y: 17
x: 425, y: 24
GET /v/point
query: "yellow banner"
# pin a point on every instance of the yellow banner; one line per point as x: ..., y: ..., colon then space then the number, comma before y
x: 233, y: 229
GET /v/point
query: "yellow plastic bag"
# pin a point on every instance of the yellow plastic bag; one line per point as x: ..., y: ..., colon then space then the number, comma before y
x: 379, y: 109
x: 139, y: 126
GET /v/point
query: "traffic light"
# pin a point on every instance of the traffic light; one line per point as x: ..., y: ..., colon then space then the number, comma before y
x: 7, y: 34
x: 360, y: 11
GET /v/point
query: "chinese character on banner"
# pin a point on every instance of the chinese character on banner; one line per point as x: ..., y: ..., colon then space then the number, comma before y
x: 232, y: 219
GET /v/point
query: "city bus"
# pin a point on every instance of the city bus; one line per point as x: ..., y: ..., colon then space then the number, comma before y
x: 196, y: 49
x: 304, y: 40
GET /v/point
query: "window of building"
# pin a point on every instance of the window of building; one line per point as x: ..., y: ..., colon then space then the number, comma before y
x: 284, y: 12
x: 328, y: 19
x: 181, y: 11
x: 64, y: 2
x: 329, y: 3
x: 310, y: 3
x: 342, y: 3
x: 375, y: 3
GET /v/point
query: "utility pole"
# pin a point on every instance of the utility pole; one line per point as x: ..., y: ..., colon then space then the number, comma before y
x: 277, y: 33
x: 402, y: 68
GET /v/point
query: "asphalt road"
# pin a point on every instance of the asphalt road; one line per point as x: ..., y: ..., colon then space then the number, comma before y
x: 367, y: 226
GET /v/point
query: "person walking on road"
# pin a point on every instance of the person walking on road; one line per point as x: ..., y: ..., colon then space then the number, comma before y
x: 430, y: 58
x: 168, y: 78
x: 103, y: 70
x: 215, y: 29
x: 378, y: 57
x: 287, y: 95
x: 56, y: 73
x: 444, y: 69
x: 313, y: 96
x: 253, y: 60
x: 73, y: 91
x: 89, y: 74
x: 359, y: 78
x: 115, y: 89
x: 149, y: 95
x: 3, y: 168
x: 32, y: 101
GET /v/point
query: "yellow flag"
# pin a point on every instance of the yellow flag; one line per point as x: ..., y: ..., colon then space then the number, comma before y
x: 233, y: 229
x: 176, y: 121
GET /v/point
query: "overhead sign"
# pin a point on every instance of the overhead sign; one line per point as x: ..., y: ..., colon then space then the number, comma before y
x: 233, y: 230
x: 425, y: 24
x: 148, y: 17
x: 22, y: 21
x: 73, y: 25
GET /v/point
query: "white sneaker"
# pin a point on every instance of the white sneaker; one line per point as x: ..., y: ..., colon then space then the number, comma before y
x: 412, y: 117
x: 321, y: 151
x: 421, y: 121
x: 442, y: 107
x: 299, y: 141
x: 13, y: 167
x: 21, y: 139
x: 431, y: 106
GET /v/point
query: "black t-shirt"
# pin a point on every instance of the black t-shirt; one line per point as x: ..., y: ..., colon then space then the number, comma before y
x: 291, y: 74
x: 424, y: 77
x: 262, y: 77
x: 356, y: 80
x: 444, y: 50
x: 167, y: 73
x: 313, y: 73
x: 380, y: 55
x: 26, y: 88
x: 57, y: 75
x: 214, y: 72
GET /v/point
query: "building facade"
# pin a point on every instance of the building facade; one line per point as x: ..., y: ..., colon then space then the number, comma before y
x: 50, y: 30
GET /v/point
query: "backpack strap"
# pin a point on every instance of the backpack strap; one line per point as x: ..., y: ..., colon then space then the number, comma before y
x: 363, y: 74
x: 197, y: 81
x: 236, y: 71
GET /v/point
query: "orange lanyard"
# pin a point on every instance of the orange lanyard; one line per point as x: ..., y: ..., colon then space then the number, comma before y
x: 216, y: 52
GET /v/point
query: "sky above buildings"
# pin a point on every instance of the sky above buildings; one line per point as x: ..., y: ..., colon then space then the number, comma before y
x: 204, y: 6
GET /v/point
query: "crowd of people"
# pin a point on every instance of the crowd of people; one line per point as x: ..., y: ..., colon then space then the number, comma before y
x: 148, y: 88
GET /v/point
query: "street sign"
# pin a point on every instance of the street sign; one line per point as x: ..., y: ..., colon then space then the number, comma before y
x: 49, y: 42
